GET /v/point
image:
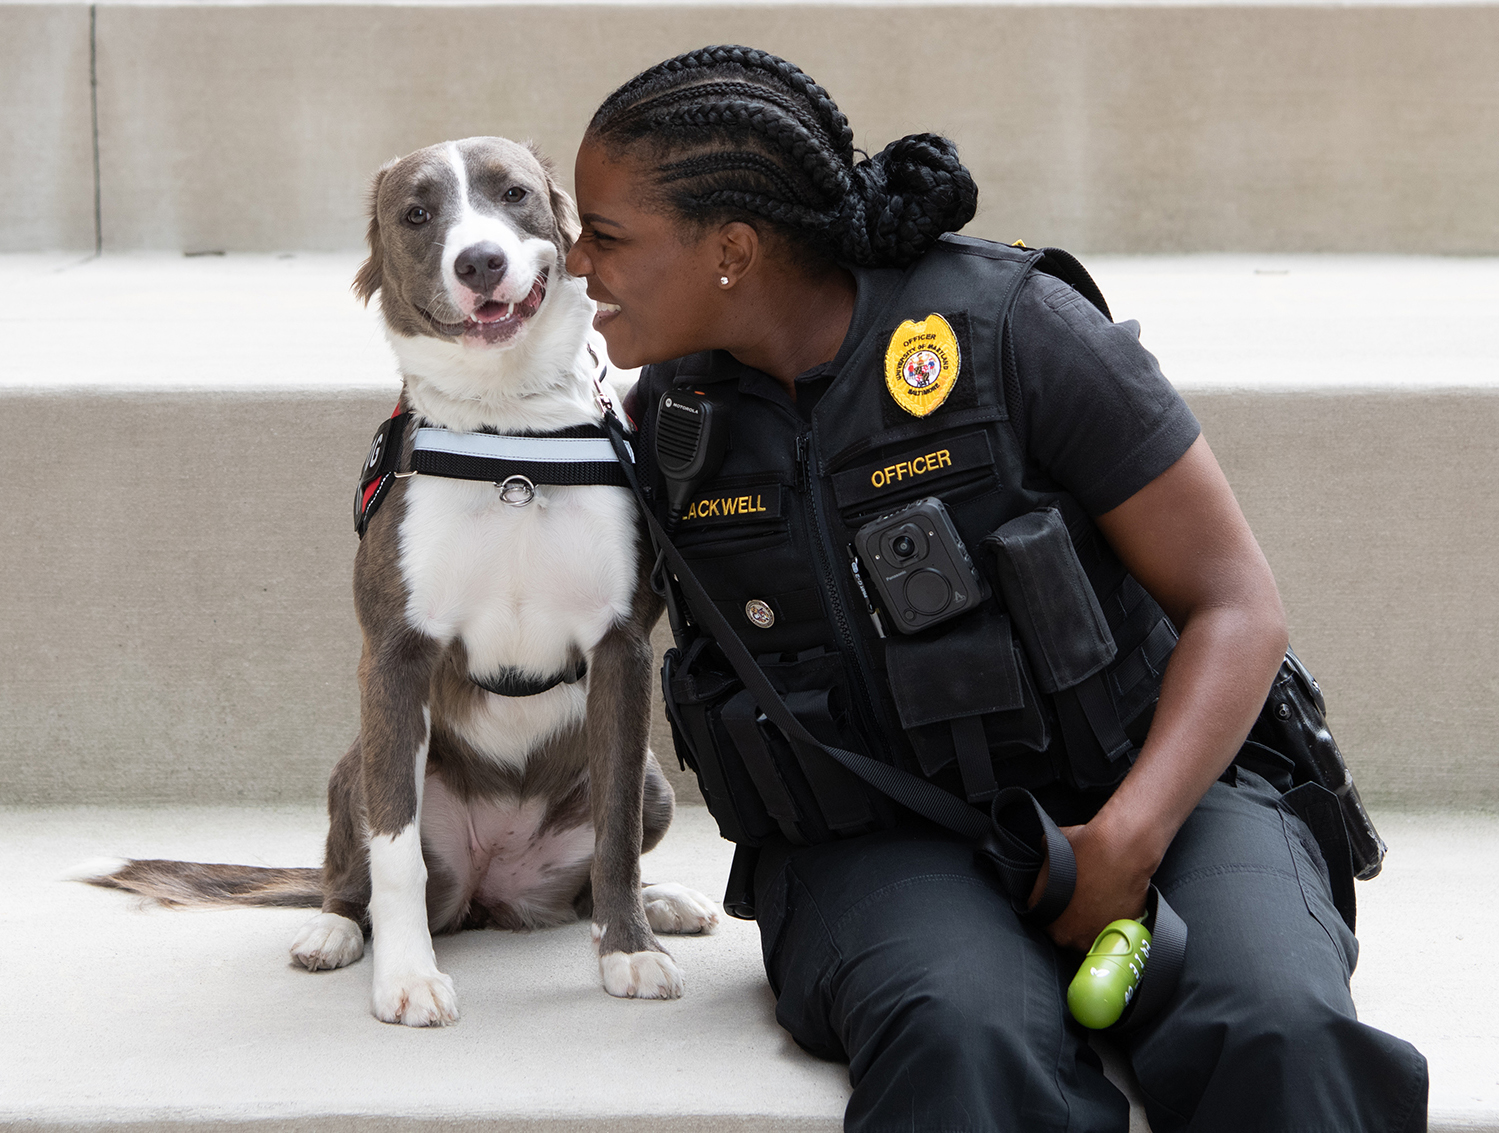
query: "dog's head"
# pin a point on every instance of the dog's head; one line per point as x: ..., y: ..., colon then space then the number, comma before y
x: 465, y: 239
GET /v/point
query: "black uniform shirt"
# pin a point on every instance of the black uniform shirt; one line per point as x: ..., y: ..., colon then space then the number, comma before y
x: 1096, y: 413
x: 1097, y: 416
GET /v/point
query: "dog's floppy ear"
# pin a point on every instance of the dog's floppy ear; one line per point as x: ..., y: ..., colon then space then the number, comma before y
x: 371, y: 273
x: 568, y: 224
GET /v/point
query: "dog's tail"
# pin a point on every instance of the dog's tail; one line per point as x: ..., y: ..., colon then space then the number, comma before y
x: 203, y: 883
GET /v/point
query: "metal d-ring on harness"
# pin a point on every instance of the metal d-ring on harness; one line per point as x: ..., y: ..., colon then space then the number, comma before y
x: 517, y: 491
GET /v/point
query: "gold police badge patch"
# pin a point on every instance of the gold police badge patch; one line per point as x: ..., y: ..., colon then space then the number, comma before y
x: 921, y: 364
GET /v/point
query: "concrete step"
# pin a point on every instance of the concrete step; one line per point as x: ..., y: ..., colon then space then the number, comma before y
x: 132, y: 1017
x: 1102, y: 127
x: 182, y: 438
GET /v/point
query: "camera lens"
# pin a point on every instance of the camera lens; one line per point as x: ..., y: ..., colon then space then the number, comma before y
x: 903, y: 546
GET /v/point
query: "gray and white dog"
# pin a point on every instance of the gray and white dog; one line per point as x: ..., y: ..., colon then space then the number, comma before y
x: 457, y: 807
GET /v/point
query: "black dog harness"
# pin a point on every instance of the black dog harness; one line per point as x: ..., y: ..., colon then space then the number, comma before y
x: 515, y: 463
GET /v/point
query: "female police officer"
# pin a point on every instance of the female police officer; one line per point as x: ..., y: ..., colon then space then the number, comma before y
x: 863, y: 360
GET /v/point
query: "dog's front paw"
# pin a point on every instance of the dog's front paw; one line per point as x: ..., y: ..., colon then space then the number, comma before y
x: 676, y: 909
x: 640, y: 975
x: 328, y: 941
x: 416, y: 999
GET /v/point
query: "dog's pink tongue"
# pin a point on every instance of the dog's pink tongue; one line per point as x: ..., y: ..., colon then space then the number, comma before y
x: 490, y: 311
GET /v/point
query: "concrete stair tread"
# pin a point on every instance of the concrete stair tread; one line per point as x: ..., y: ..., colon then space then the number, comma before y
x: 171, y: 1016
x: 183, y: 1019
x: 289, y: 321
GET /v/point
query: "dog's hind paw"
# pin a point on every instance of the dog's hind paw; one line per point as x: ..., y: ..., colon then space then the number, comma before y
x: 672, y: 908
x: 640, y: 975
x: 328, y: 941
x: 423, y: 999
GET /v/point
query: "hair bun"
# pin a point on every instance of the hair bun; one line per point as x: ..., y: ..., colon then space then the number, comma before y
x: 901, y: 200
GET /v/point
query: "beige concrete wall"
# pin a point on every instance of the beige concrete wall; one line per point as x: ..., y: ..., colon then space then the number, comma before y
x: 1130, y: 129
x: 1379, y: 514
x: 46, y: 132
x: 178, y: 624
x: 178, y: 618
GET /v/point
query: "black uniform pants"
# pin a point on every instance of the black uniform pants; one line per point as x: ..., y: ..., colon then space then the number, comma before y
x: 897, y: 952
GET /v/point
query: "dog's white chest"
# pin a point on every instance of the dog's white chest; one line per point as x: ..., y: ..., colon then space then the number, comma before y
x: 519, y: 586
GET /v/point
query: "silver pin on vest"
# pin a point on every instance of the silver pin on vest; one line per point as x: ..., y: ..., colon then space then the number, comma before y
x: 759, y: 613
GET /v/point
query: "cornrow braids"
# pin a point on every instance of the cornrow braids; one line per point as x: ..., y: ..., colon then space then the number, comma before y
x: 738, y: 133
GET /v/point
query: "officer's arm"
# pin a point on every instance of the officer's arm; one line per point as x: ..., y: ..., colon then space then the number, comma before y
x: 1185, y: 539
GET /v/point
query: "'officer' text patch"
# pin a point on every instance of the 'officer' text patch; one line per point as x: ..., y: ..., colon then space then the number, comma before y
x: 744, y: 504
x: 916, y: 468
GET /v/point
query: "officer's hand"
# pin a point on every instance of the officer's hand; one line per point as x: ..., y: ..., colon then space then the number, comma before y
x: 1110, y: 886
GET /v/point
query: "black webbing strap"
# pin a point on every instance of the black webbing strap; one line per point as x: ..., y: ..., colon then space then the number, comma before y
x: 456, y: 466
x: 1021, y: 838
x: 974, y: 763
x: 515, y: 682
x: 1168, y: 952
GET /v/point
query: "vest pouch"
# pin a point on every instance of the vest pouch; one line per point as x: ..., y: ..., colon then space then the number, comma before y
x: 965, y: 694
x: 831, y: 802
x: 755, y: 781
x: 1055, y: 612
x: 696, y: 685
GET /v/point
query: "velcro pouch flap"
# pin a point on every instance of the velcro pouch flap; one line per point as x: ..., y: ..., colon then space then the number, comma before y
x: 1055, y: 612
x: 967, y: 670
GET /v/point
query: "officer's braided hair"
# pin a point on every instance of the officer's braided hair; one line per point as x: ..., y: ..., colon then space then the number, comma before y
x: 738, y: 133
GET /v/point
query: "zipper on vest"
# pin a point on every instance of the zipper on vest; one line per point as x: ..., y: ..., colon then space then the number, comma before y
x: 827, y: 566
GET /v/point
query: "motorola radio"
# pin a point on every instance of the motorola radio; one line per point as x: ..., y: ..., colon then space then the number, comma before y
x: 692, y: 434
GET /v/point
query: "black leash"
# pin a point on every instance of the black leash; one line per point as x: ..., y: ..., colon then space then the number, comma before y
x: 1016, y: 837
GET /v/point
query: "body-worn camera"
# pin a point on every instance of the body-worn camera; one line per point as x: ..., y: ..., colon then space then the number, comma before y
x: 919, y: 566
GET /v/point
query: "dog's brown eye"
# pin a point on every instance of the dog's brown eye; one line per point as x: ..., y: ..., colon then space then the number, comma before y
x: 417, y: 215
x: 515, y: 193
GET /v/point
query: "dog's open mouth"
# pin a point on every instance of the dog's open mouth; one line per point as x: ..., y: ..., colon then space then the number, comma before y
x: 492, y: 321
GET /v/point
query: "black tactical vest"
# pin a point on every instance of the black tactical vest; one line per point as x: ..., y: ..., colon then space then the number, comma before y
x: 1049, y: 684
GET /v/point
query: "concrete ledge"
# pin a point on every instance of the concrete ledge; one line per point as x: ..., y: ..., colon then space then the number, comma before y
x: 174, y: 1020
x: 196, y: 1021
x: 1103, y: 128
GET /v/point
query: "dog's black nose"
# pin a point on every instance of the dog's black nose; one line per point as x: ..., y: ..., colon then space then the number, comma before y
x: 480, y: 267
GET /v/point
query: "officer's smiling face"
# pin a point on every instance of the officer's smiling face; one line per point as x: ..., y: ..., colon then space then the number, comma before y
x: 654, y: 278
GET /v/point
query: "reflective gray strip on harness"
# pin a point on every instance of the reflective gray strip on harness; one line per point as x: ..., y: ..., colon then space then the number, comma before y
x: 588, y: 459
x: 498, y: 446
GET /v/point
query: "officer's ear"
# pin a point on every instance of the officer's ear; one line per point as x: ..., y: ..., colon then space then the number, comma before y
x: 739, y: 249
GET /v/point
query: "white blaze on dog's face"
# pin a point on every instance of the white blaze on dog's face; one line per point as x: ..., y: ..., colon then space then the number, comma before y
x: 467, y: 242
